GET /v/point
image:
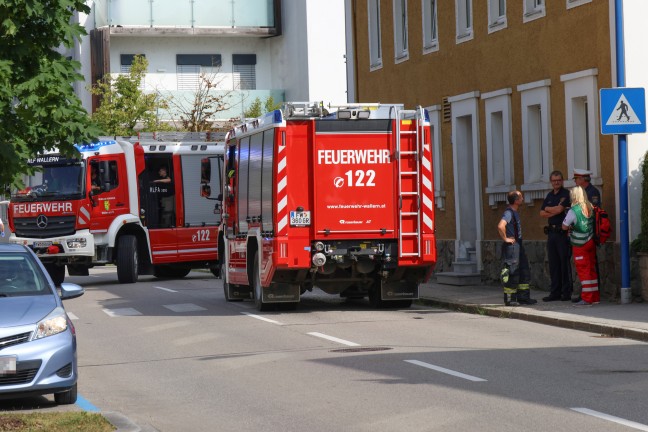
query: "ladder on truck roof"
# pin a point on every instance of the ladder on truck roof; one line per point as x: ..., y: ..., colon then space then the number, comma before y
x: 409, y: 147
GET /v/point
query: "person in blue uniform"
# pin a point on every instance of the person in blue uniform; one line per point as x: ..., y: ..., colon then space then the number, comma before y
x: 554, y: 208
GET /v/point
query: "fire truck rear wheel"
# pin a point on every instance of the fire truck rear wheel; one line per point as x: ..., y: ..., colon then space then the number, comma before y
x: 56, y: 272
x: 127, y: 259
x: 256, y: 282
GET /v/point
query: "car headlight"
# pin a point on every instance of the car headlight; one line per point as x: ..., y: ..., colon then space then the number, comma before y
x: 54, y: 323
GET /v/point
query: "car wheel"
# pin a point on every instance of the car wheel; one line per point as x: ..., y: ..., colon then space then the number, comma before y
x: 127, y: 259
x: 67, y: 397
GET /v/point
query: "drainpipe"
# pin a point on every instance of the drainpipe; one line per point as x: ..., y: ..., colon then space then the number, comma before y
x: 626, y: 291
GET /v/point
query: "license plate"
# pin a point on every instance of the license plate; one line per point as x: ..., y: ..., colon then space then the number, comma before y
x: 8, y: 365
x: 300, y: 218
x: 42, y: 244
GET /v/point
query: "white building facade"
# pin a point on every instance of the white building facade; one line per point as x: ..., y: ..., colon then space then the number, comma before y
x: 292, y: 50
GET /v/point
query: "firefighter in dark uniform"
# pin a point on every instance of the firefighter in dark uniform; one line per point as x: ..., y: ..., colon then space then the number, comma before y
x: 583, y: 178
x: 554, y: 208
x: 516, y: 273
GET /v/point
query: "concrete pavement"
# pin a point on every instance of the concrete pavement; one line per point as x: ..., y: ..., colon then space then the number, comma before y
x: 606, y: 318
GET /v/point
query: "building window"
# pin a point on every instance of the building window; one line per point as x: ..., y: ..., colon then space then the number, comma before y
x: 496, y: 15
x: 463, y: 10
x: 189, y: 67
x: 400, y: 31
x: 244, y: 71
x: 574, y: 3
x: 499, y: 145
x: 536, y: 139
x: 430, y: 26
x: 533, y: 9
x: 375, y: 50
x: 581, y: 122
x: 437, y: 155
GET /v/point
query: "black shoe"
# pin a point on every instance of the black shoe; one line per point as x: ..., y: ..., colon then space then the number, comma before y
x: 528, y: 301
x: 576, y: 299
x: 550, y: 298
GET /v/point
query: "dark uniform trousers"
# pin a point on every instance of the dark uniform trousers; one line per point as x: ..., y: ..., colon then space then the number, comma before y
x: 559, y: 255
x: 516, y: 273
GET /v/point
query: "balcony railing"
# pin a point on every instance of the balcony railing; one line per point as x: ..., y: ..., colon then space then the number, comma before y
x: 189, y: 14
x: 237, y: 100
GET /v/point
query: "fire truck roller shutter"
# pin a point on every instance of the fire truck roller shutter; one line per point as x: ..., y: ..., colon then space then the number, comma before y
x: 244, y: 156
x: 267, y: 214
x: 198, y: 210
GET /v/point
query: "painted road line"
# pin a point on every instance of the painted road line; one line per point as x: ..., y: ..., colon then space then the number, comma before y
x: 445, y: 371
x: 184, y: 307
x: 85, y: 405
x: 262, y: 318
x: 165, y: 289
x: 72, y: 316
x: 122, y: 312
x: 333, y: 339
x: 619, y: 420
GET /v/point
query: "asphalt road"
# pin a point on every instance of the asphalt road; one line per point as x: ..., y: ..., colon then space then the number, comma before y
x: 174, y: 356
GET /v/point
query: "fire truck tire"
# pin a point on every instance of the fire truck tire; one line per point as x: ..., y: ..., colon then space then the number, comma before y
x: 56, y: 272
x: 216, y: 270
x: 256, y: 282
x: 127, y: 259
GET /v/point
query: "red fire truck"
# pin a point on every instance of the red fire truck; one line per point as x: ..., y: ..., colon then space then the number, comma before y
x: 342, y: 201
x: 147, y: 206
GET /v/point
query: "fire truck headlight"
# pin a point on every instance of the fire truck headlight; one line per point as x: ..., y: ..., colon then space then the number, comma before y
x: 319, y: 246
x: 76, y: 243
x: 319, y: 259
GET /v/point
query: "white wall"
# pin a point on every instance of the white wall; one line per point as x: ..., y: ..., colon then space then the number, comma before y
x: 636, y: 63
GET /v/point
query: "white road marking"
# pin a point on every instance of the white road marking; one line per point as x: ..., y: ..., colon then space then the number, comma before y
x: 72, y: 316
x: 184, y: 307
x: 445, y: 371
x: 262, y: 318
x: 611, y: 418
x: 334, y: 339
x: 165, y: 289
x: 122, y: 312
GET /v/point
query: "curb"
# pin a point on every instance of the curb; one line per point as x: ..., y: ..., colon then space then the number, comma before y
x: 521, y: 313
x: 123, y: 423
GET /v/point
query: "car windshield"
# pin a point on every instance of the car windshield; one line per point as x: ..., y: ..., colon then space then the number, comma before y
x: 21, y: 276
x: 59, y: 180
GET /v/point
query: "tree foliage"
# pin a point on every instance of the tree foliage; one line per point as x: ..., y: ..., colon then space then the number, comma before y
x: 38, y: 107
x: 198, y: 111
x: 258, y: 108
x: 124, y: 105
x: 640, y: 244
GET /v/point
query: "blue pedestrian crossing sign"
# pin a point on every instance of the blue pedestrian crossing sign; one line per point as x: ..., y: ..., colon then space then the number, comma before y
x: 623, y: 111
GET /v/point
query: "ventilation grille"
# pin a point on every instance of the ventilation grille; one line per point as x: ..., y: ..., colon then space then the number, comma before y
x: 447, y: 110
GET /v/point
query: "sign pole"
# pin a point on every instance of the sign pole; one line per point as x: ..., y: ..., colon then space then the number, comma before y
x: 626, y: 291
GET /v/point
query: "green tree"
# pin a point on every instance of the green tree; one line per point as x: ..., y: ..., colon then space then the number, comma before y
x: 124, y: 105
x: 38, y: 107
x: 258, y: 108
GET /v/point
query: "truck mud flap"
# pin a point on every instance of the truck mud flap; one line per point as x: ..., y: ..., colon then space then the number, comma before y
x: 240, y: 292
x: 279, y: 292
x: 399, y: 290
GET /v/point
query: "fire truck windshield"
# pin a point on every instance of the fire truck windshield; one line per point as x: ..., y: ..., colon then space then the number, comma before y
x: 53, y: 181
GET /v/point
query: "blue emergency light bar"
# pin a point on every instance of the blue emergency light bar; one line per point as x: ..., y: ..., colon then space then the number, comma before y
x: 94, y: 146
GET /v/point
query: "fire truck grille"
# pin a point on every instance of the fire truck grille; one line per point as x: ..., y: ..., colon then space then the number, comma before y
x: 56, y: 226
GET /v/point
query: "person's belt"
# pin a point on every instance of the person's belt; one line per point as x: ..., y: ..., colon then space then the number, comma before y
x: 553, y: 229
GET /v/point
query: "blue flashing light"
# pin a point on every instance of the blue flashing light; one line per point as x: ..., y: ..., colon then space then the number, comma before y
x: 277, y: 116
x: 93, y: 146
x: 427, y: 116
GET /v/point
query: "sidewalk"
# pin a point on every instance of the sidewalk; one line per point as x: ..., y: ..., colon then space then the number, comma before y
x: 607, y: 318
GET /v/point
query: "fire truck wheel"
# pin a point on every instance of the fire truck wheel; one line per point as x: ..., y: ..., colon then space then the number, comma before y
x: 256, y: 282
x: 127, y: 259
x: 215, y: 270
x: 56, y: 272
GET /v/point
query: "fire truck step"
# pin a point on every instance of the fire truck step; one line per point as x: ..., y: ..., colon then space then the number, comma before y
x: 410, y: 254
x: 409, y: 172
x: 408, y: 152
x: 407, y: 132
x: 410, y: 234
x: 409, y: 193
x: 409, y: 213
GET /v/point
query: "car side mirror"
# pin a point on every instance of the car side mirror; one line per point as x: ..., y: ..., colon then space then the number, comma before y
x: 70, y: 291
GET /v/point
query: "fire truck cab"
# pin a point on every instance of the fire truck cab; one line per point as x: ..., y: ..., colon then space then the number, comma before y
x: 150, y: 206
x: 341, y: 200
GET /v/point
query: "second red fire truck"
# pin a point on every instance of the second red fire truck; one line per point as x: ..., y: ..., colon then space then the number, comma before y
x: 342, y: 201
x: 148, y: 206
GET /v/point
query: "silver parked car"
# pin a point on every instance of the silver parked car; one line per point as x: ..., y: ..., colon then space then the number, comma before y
x: 37, y: 338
